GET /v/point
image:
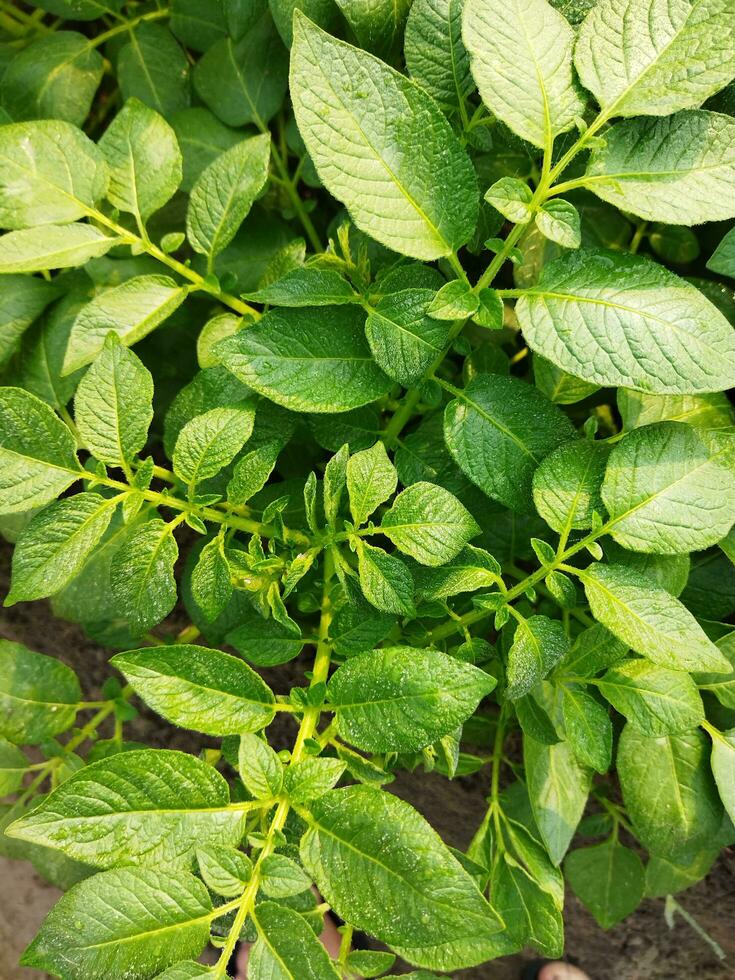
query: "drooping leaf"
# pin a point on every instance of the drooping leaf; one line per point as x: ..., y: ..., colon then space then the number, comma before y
x: 723, y: 768
x: 558, y: 786
x: 588, y: 727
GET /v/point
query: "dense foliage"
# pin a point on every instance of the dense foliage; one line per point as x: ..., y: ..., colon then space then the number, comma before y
x: 428, y: 393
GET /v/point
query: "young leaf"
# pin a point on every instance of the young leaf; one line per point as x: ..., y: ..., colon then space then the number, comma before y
x: 287, y: 947
x: 539, y: 643
x: 13, y: 766
x: 38, y: 695
x: 404, y: 338
x: 680, y: 169
x: 454, y: 301
x: 400, y: 699
x: 260, y: 768
x: 224, y: 193
x: 428, y: 523
x: 723, y: 768
x: 198, y: 26
x: 655, y: 700
x: 559, y: 222
x: 251, y: 472
x: 52, y: 247
x: 225, y: 870
x: 130, y: 921
x: 436, y: 58
x: 283, y: 877
x: 371, y: 480
x: 53, y: 548
x: 113, y: 405
x: 723, y: 257
x: 498, y: 430
x: 335, y: 480
x: 511, y: 197
x: 709, y: 411
x: 369, y: 962
x: 362, y: 841
x: 24, y: 299
x: 588, y: 727
x: 199, y: 688
x: 566, y: 485
x: 131, y: 311
x: 142, y: 575
x: 385, y: 581
x: 306, y: 287
x: 313, y: 360
x: 558, y: 786
x: 592, y: 311
x: 52, y: 173
x: 669, y: 492
x: 354, y: 112
x: 521, y: 59
x: 649, y: 620
x: 681, y: 55
x: 210, y: 441
x: 211, y: 579
x: 608, y: 879
x: 183, y: 802
x: 668, y: 789
x: 311, y: 778
x: 264, y: 642
x: 37, y: 453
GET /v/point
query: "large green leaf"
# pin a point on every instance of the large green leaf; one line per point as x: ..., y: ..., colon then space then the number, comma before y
x: 224, y: 193
x: 404, y: 339
x: 149, y: 806
x: 498, y: 430
x: 24, y: 299
x: 587, y: 727
x: 377, y: 24
x: 435, y: 55
x: 521, y: 58
x: 655, y: 700
x: 616, y: 319
x: 363, y: 842
x: 130, y: 310
x: 566, y: 486
x: 399, y: 699
x: 710, y: 411
x: 287, y: 948
x: 668, y: 789
x: 680, y: 169
x: 130, y: 922
x: 385, y: 580
x: 381, y: 146
x: 52, y: 247
x: 428, y: 523
x: 143, y: 158
x: 608, y: 879
x: 652, y: 57
x: 667, y: 492
x: 649, y: 619
x: 38, y: 695
x: 311, y: 360
x: 195, y: 687
x: 37, y: 453
x: 51, y: 172
x: 558, y: 786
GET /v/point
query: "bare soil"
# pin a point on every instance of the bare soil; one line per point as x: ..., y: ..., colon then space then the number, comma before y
x: 641, y: 948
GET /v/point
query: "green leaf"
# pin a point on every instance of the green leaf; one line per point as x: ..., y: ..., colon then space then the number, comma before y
x: 311, y: 778
x: 559, y: 386
x: 184, y: 970
x: 282, y: 877
x: 371, y: 480
x: 400, y: 699
x: 24, y: 299
x: 251, y: 472
x: 594, y: 650
x: 498, y: 430
x: 470, y: 570
x: 314, y: 360
x: 404, y: 338
x: 264, y: 642
x: 376, y: 137
x: 377, y: 24
x: 287, y: 948
x: 142, y: 575
x: 305, y: 286
x: 113, y: 405
x: 668, y: 789
x: 649, y: 619
x: 38, y: 695
x: 198, y: 25
x: 362, y: 842
x: 559, y: 221
x: 201, y: 138
x: 225, y: 870
x: 711, y: 411
x: 335, y: 480
x: 54, y: 547
x: 566, y: 486
x: 558, y: 786
x: 52, y: 247
x: 680, y: 169
x: 210, y: 441
x: 511, y: 196
x: 667, y: 491
x: 199, y: 688
x: 588, y: 727
x: 55, y: 76
x: 385, y: 581
x: 530, y: 913
x: 260, y: 768
x: 521, y: 59
x: 723, y: 257
x: 244, y: 80
x: 37, y: 453
x: 539, y: 643
x: 608, y: 879
x: 723, y: 768
x: 153, y: 68
x: 368, y: 962
x: 13, y: 765
x: 130, y: 310
x: 667, y: 875
x: 52, y: 173
x: 143, y: 158
x: 80, y: 9
x: 721, y: 685
x: 211, y: 579
x: 126, y: 922
x: 150, y: 807
x: 593, y: 311
x: 435, y: 55
x: 428, y: 523
x: 454, y: 301
x: 655, y: 700
x: 224, y: 193
x: 681, y: 55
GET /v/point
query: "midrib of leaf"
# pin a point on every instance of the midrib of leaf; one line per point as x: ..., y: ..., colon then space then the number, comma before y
x: 639, y: 688
x: 671, y: 758
x: 144, y: 68
x: 243, y: 88
x: 232, y: 192
x: 33, y: 701
x: 104, y: 505
x: 236, y: 698
x: 433, y: 693
x: 548, y: 135
x: 55, y: 466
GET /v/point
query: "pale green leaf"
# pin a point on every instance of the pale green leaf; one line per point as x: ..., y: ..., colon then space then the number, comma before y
x: 470, y: 570
x: 428, y: 523
x: 224, y: 869
x: 305, y: 286
x: 13, y: 765
x: 558, y: 786
x: 566, y: 486
x: 259, y: 766
x: 210, y: 441
x: 511, y: 196
x: 371, y: 480
x: 723, y: 768
x: 52, y: 247
x: 211, y: 579
x: 723, y: 257
x: 539, y: 643
x: 594, y: 650
x: 282, y: 877
x: 24, y: 299
x: 559, y: 386
x: 559, y: 221
x: 311, y: 778
x: 655, y: 700
x: 711, y: 411
x: 38, y: 695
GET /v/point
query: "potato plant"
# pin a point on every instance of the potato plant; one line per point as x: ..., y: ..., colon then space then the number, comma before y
x: 373, y: 338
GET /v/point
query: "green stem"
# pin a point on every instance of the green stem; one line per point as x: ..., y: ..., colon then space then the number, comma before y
x: 497, y: 761
x: 128, y: 25
x: 297, y: 204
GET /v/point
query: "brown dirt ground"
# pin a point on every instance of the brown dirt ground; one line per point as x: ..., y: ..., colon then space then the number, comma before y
x: 641, y: 948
